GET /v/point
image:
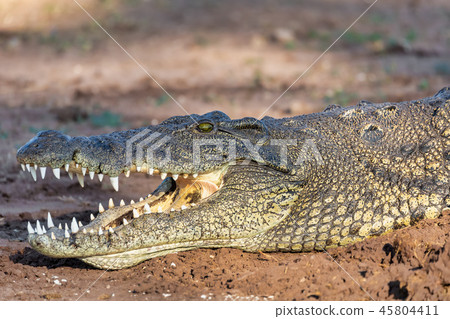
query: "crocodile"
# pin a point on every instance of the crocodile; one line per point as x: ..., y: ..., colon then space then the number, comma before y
x: 298, y: 184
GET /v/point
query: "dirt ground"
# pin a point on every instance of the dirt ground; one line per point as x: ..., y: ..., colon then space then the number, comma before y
x: 59, y: 70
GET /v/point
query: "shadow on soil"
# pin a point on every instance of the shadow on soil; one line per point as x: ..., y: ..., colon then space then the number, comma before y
x: 32, y: 258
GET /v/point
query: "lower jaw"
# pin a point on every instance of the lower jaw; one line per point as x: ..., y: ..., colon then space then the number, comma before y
x: 167, y: 197
x: 127, y: 259
x: 134, y: 257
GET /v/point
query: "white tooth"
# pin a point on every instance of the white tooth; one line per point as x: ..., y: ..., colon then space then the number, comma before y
x: 91, y: 175
x: 163, y: 175
x: 43, y: 229
x: 91, y: 231
x: 175, y: 176
x: 125, y: 222
x: 132, y: 202
x: 111, y: 203
x: 57, y: 173
x: 70, y: 175
x: 141, y: 199
x: 43, y: 170
x: 100, y: 208
x: 100, y: 177
x: 80, y: 179
x: 159, y: 209
x: 80, y: 224
x: 193, y: 204
x: 122, y: 203
x: 100, y: 232
x: 115, y: 183
x: 35, y: 167
x: 135, y: 213
x: 185, y: 176
x: 66, y: 233
x: 92, y: 217
x: 66, y: 227
x: 74, y: 226
x: 23, y: 167
x: 53, y: 236
x: 138, y: 168
x: 33, y: 173
x: 84, y: 231
x: 150, y: 171
x: 50, y: 221
x: 59, y: 226
x: 66, y: 167
x: 76, y: 165
x: 27, y: 167
x: 127, y: 173
x: 195, y: 175
x: 111, y: 230
x: 172, y: 209
x: 183, y: 207
x: 147, y: 208
x: 38, y: 228
x: 30, y: 228
x: 83, y: 170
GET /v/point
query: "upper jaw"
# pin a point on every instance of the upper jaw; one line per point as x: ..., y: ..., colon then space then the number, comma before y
x: 73, y: 168
x: 101, y: 155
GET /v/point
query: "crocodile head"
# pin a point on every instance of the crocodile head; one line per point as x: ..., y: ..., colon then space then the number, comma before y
x: 224, y: 185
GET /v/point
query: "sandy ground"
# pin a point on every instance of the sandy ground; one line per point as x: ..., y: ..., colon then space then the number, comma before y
x: 234, y: 56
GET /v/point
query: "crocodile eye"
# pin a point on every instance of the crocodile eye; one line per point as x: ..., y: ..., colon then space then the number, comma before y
x: 205, y: 127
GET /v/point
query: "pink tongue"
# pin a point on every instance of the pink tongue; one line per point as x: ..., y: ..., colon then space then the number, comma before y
x: 208, y: 188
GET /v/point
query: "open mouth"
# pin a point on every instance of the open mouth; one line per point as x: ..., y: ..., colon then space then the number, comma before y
x: 177, y: 192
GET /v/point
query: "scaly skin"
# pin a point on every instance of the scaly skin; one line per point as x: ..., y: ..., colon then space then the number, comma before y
x: 349, y: 173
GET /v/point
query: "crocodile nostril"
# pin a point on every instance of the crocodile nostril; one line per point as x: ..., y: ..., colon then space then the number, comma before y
x: 390, y: 108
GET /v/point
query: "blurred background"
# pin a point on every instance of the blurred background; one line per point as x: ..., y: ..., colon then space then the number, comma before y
x: 59, y: 70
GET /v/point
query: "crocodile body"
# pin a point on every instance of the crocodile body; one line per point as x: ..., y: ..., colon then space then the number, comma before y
x: 296, y: 184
